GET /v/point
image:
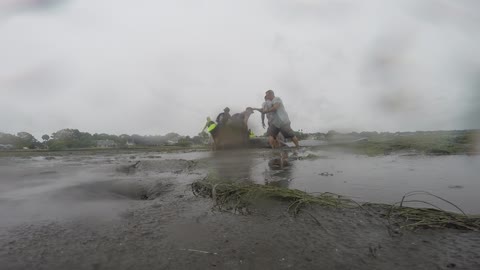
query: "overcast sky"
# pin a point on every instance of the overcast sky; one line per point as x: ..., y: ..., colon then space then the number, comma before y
x: 152, y: 67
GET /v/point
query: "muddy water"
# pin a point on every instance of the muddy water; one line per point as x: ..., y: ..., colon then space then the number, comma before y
x: 110, y: 212
x: 383, y: 179
x: 101, y: 187
x: 95, y: 187
x: 387, y: 179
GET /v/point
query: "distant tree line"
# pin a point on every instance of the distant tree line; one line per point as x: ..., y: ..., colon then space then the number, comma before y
x: 19, y: 141
x: 73, y: 138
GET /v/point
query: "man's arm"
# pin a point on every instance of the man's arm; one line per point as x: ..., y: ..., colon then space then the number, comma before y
x: 245, y: 118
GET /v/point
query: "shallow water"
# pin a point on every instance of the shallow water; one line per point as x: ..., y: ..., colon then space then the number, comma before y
x: 102, y: 186
x: 382, y: 179
x: 98, y: 187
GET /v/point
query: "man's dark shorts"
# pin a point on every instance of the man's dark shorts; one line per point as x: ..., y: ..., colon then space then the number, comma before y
x: 214, y: 131
x: 286, y: 131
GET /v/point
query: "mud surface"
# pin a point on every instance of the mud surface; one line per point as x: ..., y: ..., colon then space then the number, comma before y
x: 110, y: 212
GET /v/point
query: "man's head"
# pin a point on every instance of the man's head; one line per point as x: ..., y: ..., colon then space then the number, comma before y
x: 209, y: 119
x: 269, y: 94
x: 249, y: 110
x: 226, y: 109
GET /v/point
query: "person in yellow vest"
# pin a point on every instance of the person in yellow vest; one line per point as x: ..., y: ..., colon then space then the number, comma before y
x: 212, y: 129
x: 210, y: 125
x: 251, y: 134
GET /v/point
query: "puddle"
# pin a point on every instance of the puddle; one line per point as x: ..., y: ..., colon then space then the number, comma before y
x: 32, y: 190
x: 382, y: 179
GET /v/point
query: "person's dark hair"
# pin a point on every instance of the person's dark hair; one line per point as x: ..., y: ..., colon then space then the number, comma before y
x: 270, y: 92
x: 226, y: 109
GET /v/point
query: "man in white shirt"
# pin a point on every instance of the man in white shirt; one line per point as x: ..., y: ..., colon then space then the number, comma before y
x: 265, y: 106
x: 279, y: 120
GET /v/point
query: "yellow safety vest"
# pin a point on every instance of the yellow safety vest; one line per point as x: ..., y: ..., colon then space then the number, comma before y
x: 211, y: 127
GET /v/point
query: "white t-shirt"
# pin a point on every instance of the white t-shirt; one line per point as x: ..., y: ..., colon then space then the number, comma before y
x: 280, y: 116
x: 265, y: 106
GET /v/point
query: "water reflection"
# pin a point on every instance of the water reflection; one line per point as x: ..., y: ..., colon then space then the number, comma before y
x: 233, y: 165
x: 279, y: 170
x: 271, y: 168
x: 383, y: 179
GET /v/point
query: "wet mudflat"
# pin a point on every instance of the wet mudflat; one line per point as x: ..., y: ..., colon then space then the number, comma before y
x: 382, y: 179
x: 113, y: 212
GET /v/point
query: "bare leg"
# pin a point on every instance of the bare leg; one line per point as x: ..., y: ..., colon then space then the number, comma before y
x: 272, y: 142
x: 214, y: 145
x: 283, y: 159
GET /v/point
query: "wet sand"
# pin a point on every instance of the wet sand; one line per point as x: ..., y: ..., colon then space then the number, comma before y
x: 102, y: 212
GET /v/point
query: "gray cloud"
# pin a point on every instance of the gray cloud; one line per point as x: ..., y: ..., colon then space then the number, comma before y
x: 152, y: 67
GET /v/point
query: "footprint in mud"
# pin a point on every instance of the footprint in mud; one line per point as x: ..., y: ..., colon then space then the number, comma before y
x: 128, y: 169
x: 116, y: 189
x: 159, y: 166
x: 140, y: 190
